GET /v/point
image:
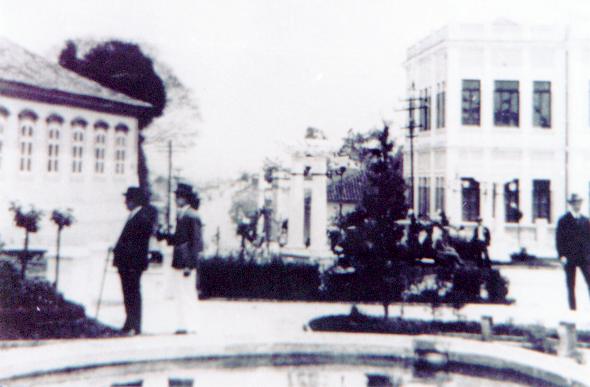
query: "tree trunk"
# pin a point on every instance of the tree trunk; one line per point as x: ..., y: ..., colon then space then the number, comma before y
x: 57, y: 257
x: 24, y: 259
x: 142, y: 168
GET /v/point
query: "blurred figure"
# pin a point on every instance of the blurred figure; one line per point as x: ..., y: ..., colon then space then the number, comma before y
x: 481, y: 240
x: 131, y: 254
x: 573, y: 246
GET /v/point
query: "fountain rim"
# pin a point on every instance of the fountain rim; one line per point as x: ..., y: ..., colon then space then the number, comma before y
x: 56, y: 357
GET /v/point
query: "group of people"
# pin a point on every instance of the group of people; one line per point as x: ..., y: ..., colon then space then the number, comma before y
x: 446, y: 244
x: 131, y: 252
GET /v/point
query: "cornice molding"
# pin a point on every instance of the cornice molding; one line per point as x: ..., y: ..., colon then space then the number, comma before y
x: 57, y: 97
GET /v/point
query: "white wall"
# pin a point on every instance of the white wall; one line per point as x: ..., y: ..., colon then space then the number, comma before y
x: 96, y: 199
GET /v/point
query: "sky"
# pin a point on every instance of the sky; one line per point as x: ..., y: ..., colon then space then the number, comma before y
x: 262, y: 71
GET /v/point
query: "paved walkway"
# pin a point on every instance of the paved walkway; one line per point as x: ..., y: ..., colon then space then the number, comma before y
x: 539, y: 295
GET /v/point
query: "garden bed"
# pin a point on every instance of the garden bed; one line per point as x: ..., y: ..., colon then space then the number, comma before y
x: 33, y: 309
x: 535, y: 336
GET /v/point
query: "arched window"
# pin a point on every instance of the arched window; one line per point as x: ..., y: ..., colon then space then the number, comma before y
x: 78, y: 129
x: 100, y: 140
x: 27, y: 123
x: 54, y: 123
x: 3, y: 115
x: 121, y: 131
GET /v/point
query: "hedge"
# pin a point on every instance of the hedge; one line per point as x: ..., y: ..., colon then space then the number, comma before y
x: 234, y: 278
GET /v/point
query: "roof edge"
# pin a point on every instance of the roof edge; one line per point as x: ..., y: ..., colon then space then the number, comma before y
x: 35, y: 93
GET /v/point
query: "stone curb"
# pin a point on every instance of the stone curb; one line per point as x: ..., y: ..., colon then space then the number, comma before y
x: 335, y: 348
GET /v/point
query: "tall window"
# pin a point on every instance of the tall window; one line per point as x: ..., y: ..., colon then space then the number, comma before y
x: 439, y: 194
x: 471, y: 99
x: 425, y: 105
x: 2, y: 123
x: 53, y: 135
x: 54, y: 122
x: 470, y: 195
x: 512, y: 202
x: 440, y: 106
x: 120, y: 149
x: 542, y: 199
x: 423, y: 196
x: 100, y: 140
x: 506, y: 103
x: 542, y: 104
x: 27, y: 120
x: 78, y: 129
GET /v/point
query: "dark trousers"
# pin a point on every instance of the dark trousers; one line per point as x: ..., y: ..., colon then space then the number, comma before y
x: 570, y: 278
x: 130, y: 283
x: 481, y: 253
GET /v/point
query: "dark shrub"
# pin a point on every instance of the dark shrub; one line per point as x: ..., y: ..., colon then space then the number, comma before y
x: 236, y: 278
x: 496, y: 286
x: 32, y: 309
x: 466, y: 285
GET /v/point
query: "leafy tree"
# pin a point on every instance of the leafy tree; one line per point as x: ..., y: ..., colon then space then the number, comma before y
x: 123, y: 67
x: 62, y: 219
x: 369, y: 238
x: 28, y: 221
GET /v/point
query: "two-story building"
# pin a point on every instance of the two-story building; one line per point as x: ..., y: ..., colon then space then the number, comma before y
x: 505, y: 129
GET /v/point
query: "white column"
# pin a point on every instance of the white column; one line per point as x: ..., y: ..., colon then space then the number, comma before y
x: 319, y: 206
x: 296, y: 209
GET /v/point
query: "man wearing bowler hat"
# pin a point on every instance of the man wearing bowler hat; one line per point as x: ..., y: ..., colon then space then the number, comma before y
x: 188, y: 244
x: 131, y: 254
x: 573, y: 246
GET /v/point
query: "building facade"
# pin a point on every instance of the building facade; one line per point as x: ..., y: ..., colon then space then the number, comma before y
x: 65, y: 142
x: 504, y: 132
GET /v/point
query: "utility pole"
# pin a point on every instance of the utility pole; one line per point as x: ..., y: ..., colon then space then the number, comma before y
x: 169, y: 196
x: 421, y: 104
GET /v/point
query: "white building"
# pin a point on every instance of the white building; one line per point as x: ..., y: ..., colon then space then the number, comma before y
x: 65, y: 142
x: 508, y: 128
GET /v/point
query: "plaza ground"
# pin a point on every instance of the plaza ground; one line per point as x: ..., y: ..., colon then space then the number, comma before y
x: 539, y: 296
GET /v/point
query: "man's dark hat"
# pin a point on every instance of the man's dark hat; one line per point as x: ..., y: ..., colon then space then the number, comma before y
x: 136, y: 194
x: 184, y: 190
x: 574, y: 198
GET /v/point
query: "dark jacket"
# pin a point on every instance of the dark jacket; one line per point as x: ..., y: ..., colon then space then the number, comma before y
x: 187, y: 240
x: 572, y: 237
x: 486, y: 235
x: 131, y: 250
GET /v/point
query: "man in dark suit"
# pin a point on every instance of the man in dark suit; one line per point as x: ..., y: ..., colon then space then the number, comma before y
x: 480, y: 241
x: 573, y: 246
x: 131, y: 254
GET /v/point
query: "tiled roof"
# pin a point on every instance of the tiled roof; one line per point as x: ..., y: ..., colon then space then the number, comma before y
x: 22, y: 67
x: 349, y: 189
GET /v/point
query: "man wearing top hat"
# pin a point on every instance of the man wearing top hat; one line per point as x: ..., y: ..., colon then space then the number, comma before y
x: 573, y: 246
x: 131, y: 254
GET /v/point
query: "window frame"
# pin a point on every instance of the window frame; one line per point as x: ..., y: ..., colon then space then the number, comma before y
x: 507, y: 92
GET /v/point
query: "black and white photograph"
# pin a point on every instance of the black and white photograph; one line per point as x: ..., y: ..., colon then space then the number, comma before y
x: 294, y: 193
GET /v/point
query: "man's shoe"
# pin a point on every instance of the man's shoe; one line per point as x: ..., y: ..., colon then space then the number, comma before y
x: 181, y: 332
